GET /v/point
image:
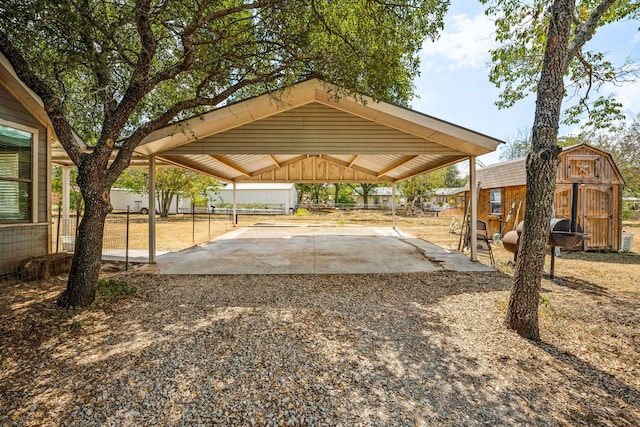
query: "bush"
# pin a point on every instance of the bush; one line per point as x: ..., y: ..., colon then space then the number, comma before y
x: 112, y: 290
x: 627, y: 210
x: 302, y: 212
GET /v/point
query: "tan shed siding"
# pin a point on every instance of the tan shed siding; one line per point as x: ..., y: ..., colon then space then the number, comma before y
x: 584, y: 164
x: 598, y: 213
x: 509, y: 197
x: 616, y: 232
x: 21, y: 242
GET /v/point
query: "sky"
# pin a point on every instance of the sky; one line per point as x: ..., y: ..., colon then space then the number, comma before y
x: 454, y: 76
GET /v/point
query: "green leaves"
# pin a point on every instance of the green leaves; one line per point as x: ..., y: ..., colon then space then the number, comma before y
x: 521, y: 29
x: 204, y: 53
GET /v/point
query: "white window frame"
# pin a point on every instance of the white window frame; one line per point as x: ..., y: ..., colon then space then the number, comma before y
x: 35, y: 138
x: 493, y: 202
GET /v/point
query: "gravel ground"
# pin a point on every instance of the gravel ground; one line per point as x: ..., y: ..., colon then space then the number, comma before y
x: 311, y: 350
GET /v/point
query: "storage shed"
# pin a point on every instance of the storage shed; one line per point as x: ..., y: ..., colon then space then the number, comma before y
x: 503, y: 189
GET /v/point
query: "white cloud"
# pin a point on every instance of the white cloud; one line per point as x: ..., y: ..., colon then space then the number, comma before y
x: 465, y: 42
x: 629, y: 95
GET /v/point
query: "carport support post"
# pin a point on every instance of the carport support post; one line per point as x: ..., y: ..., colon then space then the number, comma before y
x: 66, y: 201
x: 393, y: 205
x: 474, y: 209
x: 235, y: 218
x: 152, y: 209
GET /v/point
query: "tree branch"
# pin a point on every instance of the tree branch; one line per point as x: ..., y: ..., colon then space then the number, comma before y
x: 585, y: 30
x: 126, y: 151
x: 52, y: 103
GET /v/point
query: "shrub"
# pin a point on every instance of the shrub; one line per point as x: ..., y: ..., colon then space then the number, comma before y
x: 112, y: 290
x: 627, y: 210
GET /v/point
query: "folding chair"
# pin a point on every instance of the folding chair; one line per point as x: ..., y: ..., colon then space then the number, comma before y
x: 483, y: 241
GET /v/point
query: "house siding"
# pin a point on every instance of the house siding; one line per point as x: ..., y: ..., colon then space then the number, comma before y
x: 21, y: 241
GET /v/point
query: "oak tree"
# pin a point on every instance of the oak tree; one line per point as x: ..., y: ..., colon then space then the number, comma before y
x: 544, y: 43
x: 115, y: 71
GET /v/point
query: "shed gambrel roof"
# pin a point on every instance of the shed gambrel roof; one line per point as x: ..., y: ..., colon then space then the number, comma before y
x: 513, y: 173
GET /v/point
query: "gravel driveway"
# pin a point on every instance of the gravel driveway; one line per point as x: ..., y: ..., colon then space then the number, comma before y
x: 297, y: 350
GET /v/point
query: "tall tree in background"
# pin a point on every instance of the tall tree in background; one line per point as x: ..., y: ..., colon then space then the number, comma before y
x: 365, y: 190
x: 520, y: 145
x: 116, y: 71
x: 517, y: 146
x: 314, y: 192
x: 422, y: 186
x: 542, y: 42
x: 623, y: 143
x: 452, y: 178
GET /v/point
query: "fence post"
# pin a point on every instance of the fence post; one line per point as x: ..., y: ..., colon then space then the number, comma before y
x: 209, y: 222
x: 193, y: 222
x: 58, y: 227
x: 126, y: 251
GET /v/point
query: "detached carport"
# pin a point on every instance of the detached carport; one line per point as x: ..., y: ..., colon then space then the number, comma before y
x: 312, y: 133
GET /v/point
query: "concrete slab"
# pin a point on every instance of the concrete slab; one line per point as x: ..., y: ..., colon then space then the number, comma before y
x: 312, y: 249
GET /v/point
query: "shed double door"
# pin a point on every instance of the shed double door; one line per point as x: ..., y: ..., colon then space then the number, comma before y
x: 595, y: 212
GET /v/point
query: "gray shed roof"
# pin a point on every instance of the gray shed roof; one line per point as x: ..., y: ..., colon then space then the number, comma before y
x: 506, y: 174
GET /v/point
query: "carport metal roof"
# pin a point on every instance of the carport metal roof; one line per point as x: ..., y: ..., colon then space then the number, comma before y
x: 306, y: 133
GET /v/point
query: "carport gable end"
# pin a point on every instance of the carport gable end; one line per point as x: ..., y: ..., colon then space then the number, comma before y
x: 254, y: 140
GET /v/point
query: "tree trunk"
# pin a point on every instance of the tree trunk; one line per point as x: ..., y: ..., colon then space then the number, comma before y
x: 164, y: 202
x: 85, y: 266
x: 542, y: 164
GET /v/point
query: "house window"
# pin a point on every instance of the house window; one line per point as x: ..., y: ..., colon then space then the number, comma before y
x: 496, y: 202
x: 15, y: 174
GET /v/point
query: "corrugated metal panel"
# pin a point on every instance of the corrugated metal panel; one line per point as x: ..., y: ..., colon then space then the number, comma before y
x: 205, y: 164
x: 251, y: 163
x: 259, y: 186
x: 310, y: 129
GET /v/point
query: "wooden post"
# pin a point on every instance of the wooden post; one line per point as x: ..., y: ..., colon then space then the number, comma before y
x: 152, y: 209
x: 473, y: 237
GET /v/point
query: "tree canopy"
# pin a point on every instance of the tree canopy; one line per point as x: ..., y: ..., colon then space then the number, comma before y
x: 116, y: 71
x: 521, y: 30
x: 422, y: 185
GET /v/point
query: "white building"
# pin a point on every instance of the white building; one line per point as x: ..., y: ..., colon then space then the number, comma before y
x: 121, y: 198
x: 272, y: 195
x: 282, y: 197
